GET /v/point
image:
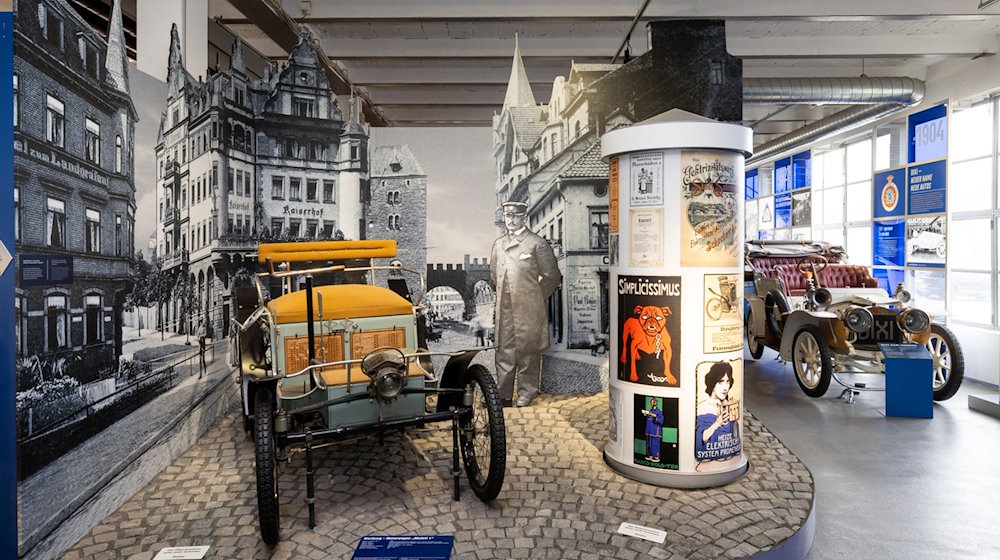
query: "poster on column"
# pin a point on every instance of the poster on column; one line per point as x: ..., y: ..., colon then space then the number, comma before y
x: 645, y: 237
x: 646, y: 182
x: 655, y: 432
x: 614, y: 421
x: 710, y: 232
x: 718, y: 441
x: 723, y: 320
x: 649, y: 319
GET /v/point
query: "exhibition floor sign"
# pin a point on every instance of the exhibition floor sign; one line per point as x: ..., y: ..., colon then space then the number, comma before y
x: 676, y: 401
x: 436, y: 547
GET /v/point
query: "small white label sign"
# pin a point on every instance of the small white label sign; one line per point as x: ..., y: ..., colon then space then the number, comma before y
x: 184, y: 553
x: 633, y: 530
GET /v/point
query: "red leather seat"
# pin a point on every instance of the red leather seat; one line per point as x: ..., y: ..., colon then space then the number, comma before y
x: 833, y: 276
x: 847, y: 276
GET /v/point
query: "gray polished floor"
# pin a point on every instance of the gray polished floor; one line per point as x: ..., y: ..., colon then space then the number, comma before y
x: 888, y: 488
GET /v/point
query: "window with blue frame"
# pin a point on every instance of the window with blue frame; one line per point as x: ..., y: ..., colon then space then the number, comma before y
x: 752, y: 187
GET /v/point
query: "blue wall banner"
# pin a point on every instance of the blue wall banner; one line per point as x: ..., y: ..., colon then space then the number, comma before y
x: 928, y: 134
x: 8, y: 447
x: 888, y: 278
x: 782, y: 175
x: 887, y: 191
x: 889, y: 243
x: 405, y: 547
x: 802, y: 170
x: 783, y: 210
x: 925, y: 188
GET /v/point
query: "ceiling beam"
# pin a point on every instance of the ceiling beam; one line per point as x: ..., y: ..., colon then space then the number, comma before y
x: 868, y: 46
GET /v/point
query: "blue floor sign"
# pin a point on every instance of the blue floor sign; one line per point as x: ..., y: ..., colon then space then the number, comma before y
x: 404, y: 548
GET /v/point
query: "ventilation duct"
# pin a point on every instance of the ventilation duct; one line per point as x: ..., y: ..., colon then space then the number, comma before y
x: 881, y: 97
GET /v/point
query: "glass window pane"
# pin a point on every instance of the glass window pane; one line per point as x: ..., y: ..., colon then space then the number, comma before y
x: 859, y: 245
x: 859, y: 161
x: 750, y: 221
x: 882, y: 150
x: 928, y: 289
x: 833, y: 206
x: 972, y: 132
x: 969, y: 244
x: 834, y: 236
x: 969, y: 185
x: 833, y: 168
x: 817, y: 170
x: 817, y: 207
x: 969, y: 293
x: 859, y: 201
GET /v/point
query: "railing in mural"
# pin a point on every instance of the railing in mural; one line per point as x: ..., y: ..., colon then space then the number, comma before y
x: 123, y: 392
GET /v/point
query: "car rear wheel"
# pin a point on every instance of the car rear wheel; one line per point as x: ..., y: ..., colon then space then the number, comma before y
x: 949, y: 362
x: 267, y: 474
x: 484, y: 436
x: 753, y: 345
x: 811, y: 361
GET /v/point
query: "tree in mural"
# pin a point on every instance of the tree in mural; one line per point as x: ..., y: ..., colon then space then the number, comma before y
x: 139, y: 296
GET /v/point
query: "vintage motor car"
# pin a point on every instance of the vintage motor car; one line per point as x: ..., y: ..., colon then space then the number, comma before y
x: 330, y: 362
x: 930, y: 239
x: 828, y: 317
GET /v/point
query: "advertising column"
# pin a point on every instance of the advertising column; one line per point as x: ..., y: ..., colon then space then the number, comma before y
x: 676, y: 227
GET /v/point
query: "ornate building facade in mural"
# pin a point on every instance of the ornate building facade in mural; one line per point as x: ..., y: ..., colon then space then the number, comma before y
x: 242, y: 161
x: 74, y: 125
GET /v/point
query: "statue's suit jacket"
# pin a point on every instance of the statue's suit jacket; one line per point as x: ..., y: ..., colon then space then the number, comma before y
x: 525, y: 273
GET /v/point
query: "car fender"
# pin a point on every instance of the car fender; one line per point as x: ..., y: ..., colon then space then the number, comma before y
x: 453, y: 377
x: 798, y: 319
x: 757, y: 328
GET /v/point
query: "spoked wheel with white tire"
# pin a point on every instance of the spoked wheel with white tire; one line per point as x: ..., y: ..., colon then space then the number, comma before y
x: 948, y: 360
x: 484, y: 435
x: 714, y: 309
x: 266, y: 465
x: 753, y: 345
x: 811, y: 361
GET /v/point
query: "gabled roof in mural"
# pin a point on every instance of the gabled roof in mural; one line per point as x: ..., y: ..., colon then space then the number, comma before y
x: 528, y: 124
x: 588, y: 165
x: 398, y: 161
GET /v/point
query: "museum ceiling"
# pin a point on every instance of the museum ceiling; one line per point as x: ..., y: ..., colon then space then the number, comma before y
x: 446, y: 62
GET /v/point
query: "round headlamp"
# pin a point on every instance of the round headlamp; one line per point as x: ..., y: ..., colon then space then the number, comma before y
x: 914, y: 320
x: 859, y: 319
x: 902, y: 294
x: 387, y: 370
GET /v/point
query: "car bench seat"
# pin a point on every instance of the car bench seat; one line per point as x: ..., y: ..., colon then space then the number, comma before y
x: 833, y: 276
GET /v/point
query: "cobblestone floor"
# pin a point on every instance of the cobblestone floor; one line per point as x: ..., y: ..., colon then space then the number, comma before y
x: 559, y: 499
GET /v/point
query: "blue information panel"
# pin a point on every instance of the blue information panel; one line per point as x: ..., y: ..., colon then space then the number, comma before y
x: 783, y: 210
x: 782, y: 175
x: 889, y: 243
x: 46, y: 270
x: 887, y: 191
x: 802, y: 170
x: 925, y: 188
x: 928, y: 134
x: 888, y: 278
x: 8, y: 448
x: 405, y: 548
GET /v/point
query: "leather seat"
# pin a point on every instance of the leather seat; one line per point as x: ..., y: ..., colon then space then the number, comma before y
x: 833, y: 276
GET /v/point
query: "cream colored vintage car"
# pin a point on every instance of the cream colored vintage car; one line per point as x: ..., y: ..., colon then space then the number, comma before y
x: 826, y: 317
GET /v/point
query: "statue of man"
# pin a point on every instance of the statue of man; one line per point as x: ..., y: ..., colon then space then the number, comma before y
x: 525, y: 273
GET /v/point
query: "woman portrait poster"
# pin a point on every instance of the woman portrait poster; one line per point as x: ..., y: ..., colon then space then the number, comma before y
x: 718, y: 440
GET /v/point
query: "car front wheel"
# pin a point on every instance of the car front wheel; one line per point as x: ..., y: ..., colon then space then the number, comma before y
x: 949, y: 362
x: 811, y: 361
